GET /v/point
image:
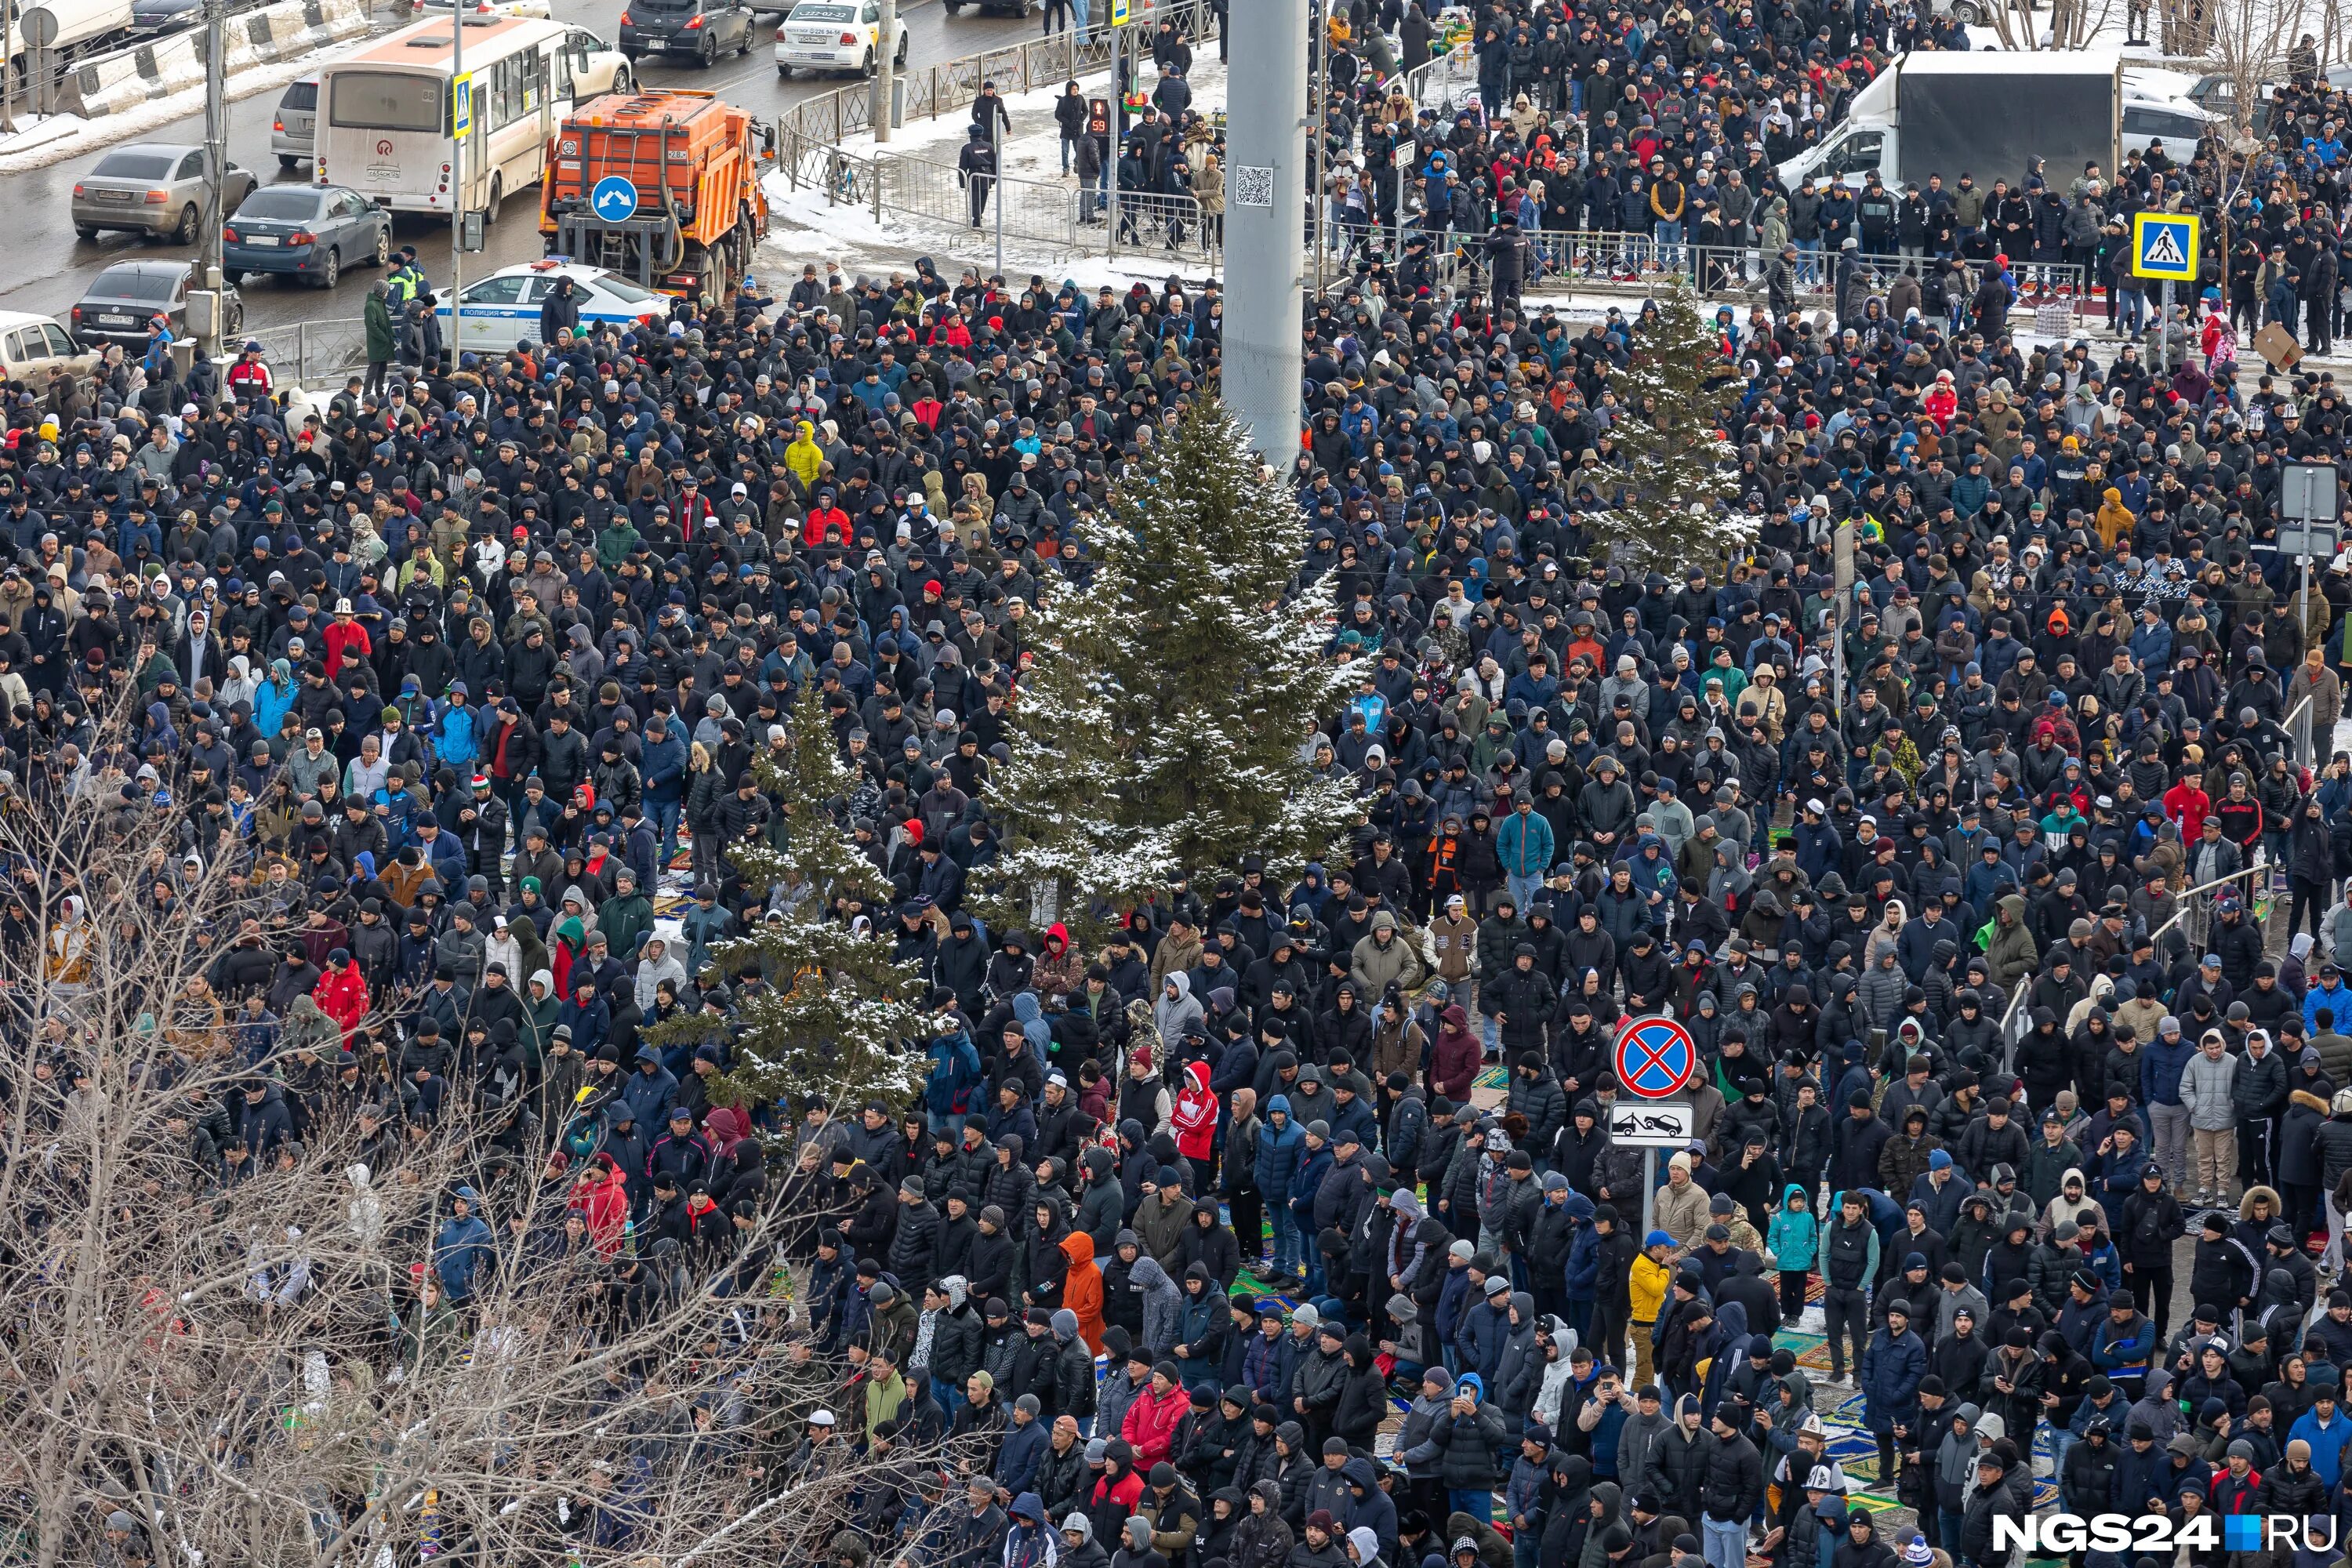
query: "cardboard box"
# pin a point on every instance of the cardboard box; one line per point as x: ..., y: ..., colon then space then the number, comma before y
x: 2277, y: 346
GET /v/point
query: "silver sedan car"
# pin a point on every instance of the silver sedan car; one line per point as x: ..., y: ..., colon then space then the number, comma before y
x: 152, y: 187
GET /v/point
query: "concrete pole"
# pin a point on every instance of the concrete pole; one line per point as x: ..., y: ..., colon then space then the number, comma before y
x: 208, y: 240
x: 886, y: 74
x: 456, y: 347
x: 1265, y: 208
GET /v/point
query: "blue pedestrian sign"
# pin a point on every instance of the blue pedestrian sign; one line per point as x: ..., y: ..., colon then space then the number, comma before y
x: 2164, y: 247
x: 615, y: 199
x: 1654, y: 1057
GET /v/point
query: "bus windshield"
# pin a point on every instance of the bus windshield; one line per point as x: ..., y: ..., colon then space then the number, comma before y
x: 387, y: 100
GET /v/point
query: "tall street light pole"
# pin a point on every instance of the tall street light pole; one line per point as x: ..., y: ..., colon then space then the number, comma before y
x: 1265, y: 204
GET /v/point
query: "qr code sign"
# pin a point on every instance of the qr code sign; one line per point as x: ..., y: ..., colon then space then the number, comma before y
x: 1253, y: 186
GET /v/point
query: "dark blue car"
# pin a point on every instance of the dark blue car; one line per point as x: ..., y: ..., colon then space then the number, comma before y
x: 306, y: 231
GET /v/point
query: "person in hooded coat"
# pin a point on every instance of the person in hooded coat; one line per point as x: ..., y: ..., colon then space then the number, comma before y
x: 1263, y: 1539
x: 1163, y: 1303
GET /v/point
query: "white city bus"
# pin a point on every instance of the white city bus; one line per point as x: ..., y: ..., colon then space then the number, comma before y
x: 383, y: 112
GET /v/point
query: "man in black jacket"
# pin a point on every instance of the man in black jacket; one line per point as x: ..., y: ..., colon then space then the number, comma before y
x: 1733, y: 1488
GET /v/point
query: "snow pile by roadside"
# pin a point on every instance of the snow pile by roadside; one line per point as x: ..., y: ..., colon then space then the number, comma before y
x: 62, y: 136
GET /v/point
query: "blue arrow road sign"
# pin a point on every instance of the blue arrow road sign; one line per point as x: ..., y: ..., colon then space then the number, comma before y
x: 615, y: 199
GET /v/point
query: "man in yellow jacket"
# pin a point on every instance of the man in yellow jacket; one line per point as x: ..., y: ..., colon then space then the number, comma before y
x: 1648, y: 1279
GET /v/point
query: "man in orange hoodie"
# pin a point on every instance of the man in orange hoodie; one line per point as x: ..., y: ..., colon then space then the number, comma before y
x: 1082, y: 1290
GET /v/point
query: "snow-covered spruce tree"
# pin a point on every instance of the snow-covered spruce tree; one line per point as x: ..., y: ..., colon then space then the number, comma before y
x: 834, y: 1010
x: 1672, y: 507
x: 1223, y: 665
x: 1068, y: 852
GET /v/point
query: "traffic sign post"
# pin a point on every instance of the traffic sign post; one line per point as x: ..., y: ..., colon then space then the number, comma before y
x: 1652, y: 1123
x: 1654, y: 1057
x: 2164, y: 249
x: 2164, y: 246
x: 461, y: 106
x: 2311, y: 507
x: 613, y: 199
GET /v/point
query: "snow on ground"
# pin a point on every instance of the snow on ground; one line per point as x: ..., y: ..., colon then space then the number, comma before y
x: 803, y: 228
x: 64, y: 136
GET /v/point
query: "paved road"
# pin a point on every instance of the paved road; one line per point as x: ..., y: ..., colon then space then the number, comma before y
x: 49, y: 266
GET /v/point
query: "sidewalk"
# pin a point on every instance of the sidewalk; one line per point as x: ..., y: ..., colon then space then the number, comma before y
x: 805, y: 226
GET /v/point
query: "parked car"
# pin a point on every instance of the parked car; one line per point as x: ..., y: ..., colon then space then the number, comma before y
x: 304, y: 231
x: 152, y: 187
x: 999, y: 7
x: 122, y: 303
x: 293, y: 133
x: 32, y: 346
x: 704, y: 30
x: 596, y: 66
x: 503, y: 309
x: 834, y: 36
x: 151, y: 18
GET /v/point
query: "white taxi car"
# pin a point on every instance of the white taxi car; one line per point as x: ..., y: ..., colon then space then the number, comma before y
x: 503, y: 309
x: 834, y: 35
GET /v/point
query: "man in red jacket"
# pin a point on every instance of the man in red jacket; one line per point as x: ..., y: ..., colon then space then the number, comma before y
x: 341, y: 994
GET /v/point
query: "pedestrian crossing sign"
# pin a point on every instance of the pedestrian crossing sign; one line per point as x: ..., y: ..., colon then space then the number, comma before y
x: 2164, y: 246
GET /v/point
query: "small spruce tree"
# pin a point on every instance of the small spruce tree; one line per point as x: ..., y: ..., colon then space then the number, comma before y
x: 1227, y: 664
x: 1068, y: 854
x: 836, y: 1010
x: 1671, y: 507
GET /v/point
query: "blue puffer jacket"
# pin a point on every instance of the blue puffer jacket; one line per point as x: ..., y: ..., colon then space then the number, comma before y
x: 2159, y: 1073
x: 1313, y: 1167
x: 1891, y: 1371
x: 1486, y: 1332
x: 1583, y: 1252
x: 1280, y: 1148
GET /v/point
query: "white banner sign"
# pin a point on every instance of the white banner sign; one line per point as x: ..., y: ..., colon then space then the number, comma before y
x: 1652, y: 1124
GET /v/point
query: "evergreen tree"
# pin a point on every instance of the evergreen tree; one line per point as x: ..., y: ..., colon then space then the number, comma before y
x: 1671, y: 507
x: 1226, y: 665
x: 832, y: 1010
x: 1066, y: 853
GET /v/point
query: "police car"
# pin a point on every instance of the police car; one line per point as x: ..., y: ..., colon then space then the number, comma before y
x: 834, y: 36
x: 503, y: 309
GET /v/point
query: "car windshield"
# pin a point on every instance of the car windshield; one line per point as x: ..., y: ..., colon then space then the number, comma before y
x: 135, y: 165
x: 132, y: 283
x: 293, y: 205
x: 623, y: 290
x: 302, y: 95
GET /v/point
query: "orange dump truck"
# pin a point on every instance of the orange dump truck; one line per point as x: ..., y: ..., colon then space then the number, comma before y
x: 660, y: 186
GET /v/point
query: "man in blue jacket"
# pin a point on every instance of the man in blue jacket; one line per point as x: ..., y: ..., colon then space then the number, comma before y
x: 1524, y: 845
x: 1892, y: 1365
x: 662, y: 762
x: 2159, y: 1075
x: 2123, y: 1343
x: 1281, y: 1150
x: 2326, y: 1430
x: 463, y: 1248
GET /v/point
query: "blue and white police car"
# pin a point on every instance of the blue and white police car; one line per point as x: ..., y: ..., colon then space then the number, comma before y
x: 503, y: 309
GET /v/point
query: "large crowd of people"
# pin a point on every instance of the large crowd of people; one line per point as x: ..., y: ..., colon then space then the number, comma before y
x: 1285, y: 1229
